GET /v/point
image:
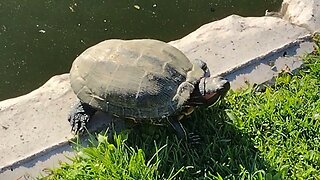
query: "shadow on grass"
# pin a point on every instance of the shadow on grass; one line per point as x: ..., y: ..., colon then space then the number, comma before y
x: 225, y: 151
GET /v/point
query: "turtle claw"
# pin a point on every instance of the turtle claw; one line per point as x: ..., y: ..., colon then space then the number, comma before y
x: 79, y: 117
x: 194, y: 139
x: 78, y: 122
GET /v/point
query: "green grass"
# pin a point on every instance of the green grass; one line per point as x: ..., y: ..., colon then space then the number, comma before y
x: 104, y: 160
x: 273, y: 134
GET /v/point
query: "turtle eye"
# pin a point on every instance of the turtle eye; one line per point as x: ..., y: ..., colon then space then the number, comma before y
x: 207, y: 72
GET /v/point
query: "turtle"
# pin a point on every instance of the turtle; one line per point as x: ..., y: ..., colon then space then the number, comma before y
x: 142, y: 80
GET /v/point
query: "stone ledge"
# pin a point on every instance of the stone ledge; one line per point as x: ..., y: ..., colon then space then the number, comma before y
x: 35, y: 122
x: 304, y: 13
x: 235, y: 41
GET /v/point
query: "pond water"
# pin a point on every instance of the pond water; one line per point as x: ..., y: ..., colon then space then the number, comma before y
x: 41, y: 38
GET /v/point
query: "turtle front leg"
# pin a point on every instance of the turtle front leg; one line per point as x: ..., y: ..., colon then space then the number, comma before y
x: 79, y: 116
x: 182, y: 134
x: 203, y: 66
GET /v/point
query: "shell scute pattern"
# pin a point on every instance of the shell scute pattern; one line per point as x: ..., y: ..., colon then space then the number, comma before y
x: 130, y: 80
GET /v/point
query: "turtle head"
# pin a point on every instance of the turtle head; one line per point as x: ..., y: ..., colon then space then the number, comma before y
x: 213, y: 89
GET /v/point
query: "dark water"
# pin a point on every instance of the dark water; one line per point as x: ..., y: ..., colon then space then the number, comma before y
x: 41, y: 38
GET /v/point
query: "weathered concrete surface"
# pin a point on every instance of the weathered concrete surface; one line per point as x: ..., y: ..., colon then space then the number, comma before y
x: 233, y: 42
x: 35, y: 122
x: 270, y: 66
x: 303, y: 13
x: 236, y: 42
x: 36, y: 166
x: 34, y: 127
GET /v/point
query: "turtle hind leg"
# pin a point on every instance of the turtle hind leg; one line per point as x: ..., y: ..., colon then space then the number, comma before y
x: 79, y: 116
x: 178, y: 128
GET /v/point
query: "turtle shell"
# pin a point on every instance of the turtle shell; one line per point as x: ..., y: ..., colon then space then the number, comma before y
x: 131, y: 78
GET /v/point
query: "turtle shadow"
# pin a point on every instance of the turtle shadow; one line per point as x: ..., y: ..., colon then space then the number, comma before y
x: 224, y: 150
